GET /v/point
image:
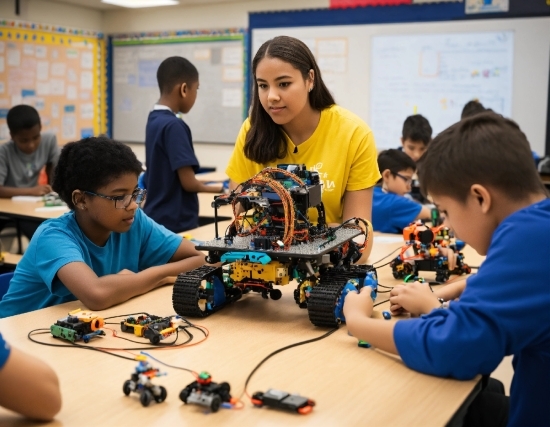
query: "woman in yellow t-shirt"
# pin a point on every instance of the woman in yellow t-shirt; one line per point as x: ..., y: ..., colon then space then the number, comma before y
x: 294, y: 120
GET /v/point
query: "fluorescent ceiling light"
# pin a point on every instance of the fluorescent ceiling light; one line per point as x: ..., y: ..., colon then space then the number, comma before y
x: 141, y: 3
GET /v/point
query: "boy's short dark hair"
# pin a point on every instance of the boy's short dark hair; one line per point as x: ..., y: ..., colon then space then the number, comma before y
x: 22, y: 117
x: 472, y: 108
x: 92, y: 163
x: 394, y: 160
x: 417, y: 128
x: 175, y: 70
x: 485, y: 149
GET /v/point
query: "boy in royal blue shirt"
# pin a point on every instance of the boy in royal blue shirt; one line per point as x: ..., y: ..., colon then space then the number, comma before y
x: 391, y: 211
x: 169, y: 154
x: 481, y: 176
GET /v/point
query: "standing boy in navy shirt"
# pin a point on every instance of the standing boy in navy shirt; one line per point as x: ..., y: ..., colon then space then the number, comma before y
x: 480, y: 174
x: 391, y: 211
x: 169, y: 154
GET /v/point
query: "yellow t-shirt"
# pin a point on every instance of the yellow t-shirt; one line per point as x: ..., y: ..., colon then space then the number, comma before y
x: 341, y: 149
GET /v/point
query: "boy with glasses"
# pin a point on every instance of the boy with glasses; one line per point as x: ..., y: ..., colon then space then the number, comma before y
x: 391, y: 211
x: 106, y: 250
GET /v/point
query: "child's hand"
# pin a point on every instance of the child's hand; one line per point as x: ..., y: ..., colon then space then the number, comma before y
x: 416, y: 298
x: 359, y: 303
x: 40, y: 190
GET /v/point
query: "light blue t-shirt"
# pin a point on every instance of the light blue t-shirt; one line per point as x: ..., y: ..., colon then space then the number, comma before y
x: 60, y: 241
x: 391, y: 212
x: 4, y: 352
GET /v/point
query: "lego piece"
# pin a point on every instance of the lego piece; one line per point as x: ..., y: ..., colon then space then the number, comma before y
x: 283, y: 400
x: 207, y: 393
x: 140, y: 382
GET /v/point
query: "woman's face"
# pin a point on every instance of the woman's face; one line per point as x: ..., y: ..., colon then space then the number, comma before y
x: 282, y: 90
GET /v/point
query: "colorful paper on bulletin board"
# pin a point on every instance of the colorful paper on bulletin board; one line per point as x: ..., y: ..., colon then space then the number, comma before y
x: 56, y: 70
x: 486, y: 6
x: 344, y: 4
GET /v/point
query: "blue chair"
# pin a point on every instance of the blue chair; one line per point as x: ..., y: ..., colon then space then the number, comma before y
x: 5, y: 283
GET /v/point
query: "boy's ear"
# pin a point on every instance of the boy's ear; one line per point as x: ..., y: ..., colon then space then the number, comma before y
x: 482, y: 196
x: 386, y: 174
x: 183, y: 90
x: 78, y: 199
x: 402, y: 142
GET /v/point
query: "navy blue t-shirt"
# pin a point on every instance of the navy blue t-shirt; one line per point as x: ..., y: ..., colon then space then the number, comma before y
x: 168, y: 147
x: 391, y: 212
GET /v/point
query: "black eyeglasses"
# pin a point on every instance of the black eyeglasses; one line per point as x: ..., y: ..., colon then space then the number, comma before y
x: 407, y: 180
x: 122, y: 202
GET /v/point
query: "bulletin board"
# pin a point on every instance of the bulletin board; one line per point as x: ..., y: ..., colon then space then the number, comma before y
x: 57, y: 70
x: 218, y: 55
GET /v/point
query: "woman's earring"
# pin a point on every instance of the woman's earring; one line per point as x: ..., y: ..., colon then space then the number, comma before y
x: 311, y: 88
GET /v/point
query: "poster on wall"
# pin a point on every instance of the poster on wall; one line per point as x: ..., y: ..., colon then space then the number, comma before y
x: 485, y: 6
x: 56, y: 70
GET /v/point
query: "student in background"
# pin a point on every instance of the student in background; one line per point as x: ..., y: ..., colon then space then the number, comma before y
x: 23, y: 157
x: 391, y: 212
x: 105, y: 250
x: 480, y: 174
x: 416, y: 135
x: 29, y: 386
x: 169, y: 154
x: 294, y: 120
x: 473, y: 107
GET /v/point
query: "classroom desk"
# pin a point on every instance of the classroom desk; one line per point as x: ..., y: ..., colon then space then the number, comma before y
x: 27, y: 210
x: 207, y: 211
x: 352, y: 386
x: 212, y: 176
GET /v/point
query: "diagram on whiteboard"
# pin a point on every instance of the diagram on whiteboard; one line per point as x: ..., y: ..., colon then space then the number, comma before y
x: 435, y: 75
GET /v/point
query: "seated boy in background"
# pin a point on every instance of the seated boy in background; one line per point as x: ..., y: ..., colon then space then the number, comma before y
x: 416, y: 135
x: 480, y: 174
x: 23, y: 157
x: 391, y: 211
x: 169, y: 154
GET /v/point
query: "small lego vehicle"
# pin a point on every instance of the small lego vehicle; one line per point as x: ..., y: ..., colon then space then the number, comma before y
x: 140, y: 382
x: 283, y: 400
x: 78, y: 325
x: 423, y: 252
x: 154, y: 328
x: 204, y: 392
x: 281, y: 237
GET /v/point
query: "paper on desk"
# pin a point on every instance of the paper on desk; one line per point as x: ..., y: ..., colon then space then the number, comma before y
x: 51, y: 208
x: 388, y: 239
x: 27, y: 198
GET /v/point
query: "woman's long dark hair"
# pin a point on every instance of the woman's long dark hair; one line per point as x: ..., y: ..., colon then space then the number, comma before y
x: 265, y: 140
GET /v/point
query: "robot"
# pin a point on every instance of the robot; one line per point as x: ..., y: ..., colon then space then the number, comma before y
x: 78, y: 325
x: 140, y: 382
x: 154, y: 328
x: 270, y: 243
x: 204, y: 392
x: 282, y: 400
x: 422, y: 252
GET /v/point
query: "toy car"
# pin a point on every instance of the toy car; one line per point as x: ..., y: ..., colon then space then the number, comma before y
x: 274, y: 242
x: 283, y: 400
x: 78, y: 325
x: 422, y: 252
x: 154, y: 328
x: 140, y: 382
x: 204, y: 392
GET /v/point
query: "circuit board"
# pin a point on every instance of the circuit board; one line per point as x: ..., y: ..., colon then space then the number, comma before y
x: 310, y: 250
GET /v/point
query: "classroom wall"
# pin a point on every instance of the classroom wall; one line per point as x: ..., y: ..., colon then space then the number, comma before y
x: 49, y: 12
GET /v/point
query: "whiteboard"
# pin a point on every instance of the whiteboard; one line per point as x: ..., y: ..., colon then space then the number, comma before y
x: 348, y: 70
x: 218, y: 111
x: 436, y: 74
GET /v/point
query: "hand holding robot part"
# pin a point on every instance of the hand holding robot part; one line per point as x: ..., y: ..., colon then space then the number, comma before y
x: 415, y: 298
x: 361, y: 302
